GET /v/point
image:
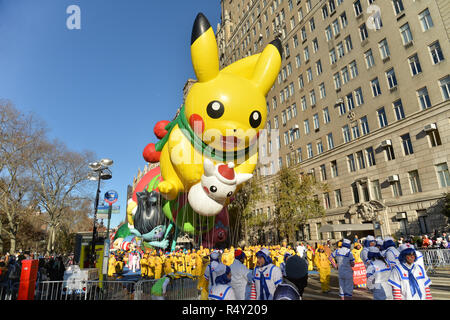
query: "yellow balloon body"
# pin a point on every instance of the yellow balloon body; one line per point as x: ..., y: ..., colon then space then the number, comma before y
x: 225, y: 110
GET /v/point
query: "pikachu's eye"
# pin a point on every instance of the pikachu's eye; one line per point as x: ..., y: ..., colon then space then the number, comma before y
x: 215, y: 109
x: 255, y: 119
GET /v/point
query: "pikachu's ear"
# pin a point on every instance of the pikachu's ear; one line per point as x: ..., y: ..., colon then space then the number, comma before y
x: 268, y: 66
x: 204, y: 51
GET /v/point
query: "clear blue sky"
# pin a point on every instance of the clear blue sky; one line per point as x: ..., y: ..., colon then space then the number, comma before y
x: 101, y: 88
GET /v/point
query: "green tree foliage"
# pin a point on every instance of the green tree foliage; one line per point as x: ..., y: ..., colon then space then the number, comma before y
x: 296, y: 201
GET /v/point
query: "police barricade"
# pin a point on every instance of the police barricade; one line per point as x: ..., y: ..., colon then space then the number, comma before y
x: 85, y: 290
x: 435, y: 258
x: 9, y: 292
x: 183, y: 288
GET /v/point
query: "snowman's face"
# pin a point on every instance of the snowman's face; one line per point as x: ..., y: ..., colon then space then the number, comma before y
x: 217, y: 190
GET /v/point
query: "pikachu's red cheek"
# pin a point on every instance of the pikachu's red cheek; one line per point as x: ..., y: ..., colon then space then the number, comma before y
x: 197, y: 124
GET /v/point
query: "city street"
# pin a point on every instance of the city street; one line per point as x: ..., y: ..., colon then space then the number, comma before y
x: 440, y: 287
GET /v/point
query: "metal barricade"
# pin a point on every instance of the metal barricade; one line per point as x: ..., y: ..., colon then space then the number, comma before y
x: 144, y: 289
x: 435, y: 258
x: 90, y: 290
x: 9, y: 291
x: 183, y: 289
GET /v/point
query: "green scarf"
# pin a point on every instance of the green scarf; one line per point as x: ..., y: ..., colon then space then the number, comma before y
x: 200, y: 145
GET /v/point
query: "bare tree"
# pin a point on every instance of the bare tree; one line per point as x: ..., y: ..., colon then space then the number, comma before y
x: 62, y: 183
x: 19, y: 135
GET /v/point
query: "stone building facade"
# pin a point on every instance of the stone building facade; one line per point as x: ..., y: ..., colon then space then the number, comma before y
x: 361, y: 102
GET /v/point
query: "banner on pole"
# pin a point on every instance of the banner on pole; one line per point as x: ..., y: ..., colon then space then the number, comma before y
x: 359, y: 274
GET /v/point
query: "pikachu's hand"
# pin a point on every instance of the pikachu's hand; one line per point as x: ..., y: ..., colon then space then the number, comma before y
x: 168, y: 190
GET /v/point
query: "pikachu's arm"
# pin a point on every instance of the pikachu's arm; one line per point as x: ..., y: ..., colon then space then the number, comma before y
x: 248, y: 166
x: 186, y: 163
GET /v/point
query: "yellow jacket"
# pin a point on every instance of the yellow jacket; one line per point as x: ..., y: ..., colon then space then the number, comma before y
x: 322, y: 262
x: 357, y: 254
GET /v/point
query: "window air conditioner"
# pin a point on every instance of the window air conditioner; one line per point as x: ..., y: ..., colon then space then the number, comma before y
x: 393, y: 178
x: 296, y: 127
x: 400, y: 215
x: 386, y: 143
x: 430, y: 127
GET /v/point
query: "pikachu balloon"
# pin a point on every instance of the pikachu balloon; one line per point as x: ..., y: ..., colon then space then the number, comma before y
x: 222, y: 116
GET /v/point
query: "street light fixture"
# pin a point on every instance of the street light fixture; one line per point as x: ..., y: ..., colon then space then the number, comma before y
x: 100, y: 172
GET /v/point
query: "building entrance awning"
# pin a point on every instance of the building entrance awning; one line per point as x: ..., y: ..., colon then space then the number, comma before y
x: 346, y: 227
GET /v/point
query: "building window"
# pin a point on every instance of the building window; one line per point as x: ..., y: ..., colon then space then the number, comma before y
x: 363, y: 32
x: 398, y: 6
x: 298, y: 63
x: 391, y: 79
x: 376, y: 90
x: 369, y: 59
x: 306, y: 125
x: 414, y: 181
x: 323, y: 172
x: 414, y: 63
x: 324, y: 12
x: 406, y: 34
x: 330, y: 141
x: 436, y: 52
x: 376, y: 189
x: 370, y: 157
x: 443, y: 175
x: 301, y: 83
x: 351, y: 163
x: 359, y: 96
x: 348, y: 44
x: 360, y: 158
x: 328, y: 33
x: 424, y: 98
x: 355, y: 192
x: 332, y: 6
x: 382, y: 120
x: 398, y: 109
x: 338, y: 198
x: 396, y: 189
x: 384, y: 49
x: 423, y: 224
x: 340, y: 50
x: 309, y: 150
x: 309, y: 74
x: 337, y: 80
x: 336, y: 27
x: 319, y: 147
x: 333, y: 57
x: 334, y: 169
x: 316, y: 121
x: 407, y: 144
x: 344, y: 20
x: 390, y: 155
x: 306, y: 53
x: 350, y: 103
x: 326, y: 115
x: 358, y: 8
x: 312, y: 25
x: 355, y: 131
x: 322, y: 91
x: 364, y: 125
x: 353, y: 69
x: 425, y: 20
x: 345, y: 75
x: 299, y: 155
x: 434, y: 137
x: 346, y: 134
x: 445, y: 87
x: 315, y: 45
x: 318, y: 67
x: 326, y: 200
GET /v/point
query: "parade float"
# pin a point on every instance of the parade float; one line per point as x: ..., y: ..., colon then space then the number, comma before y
x: 206, y: 152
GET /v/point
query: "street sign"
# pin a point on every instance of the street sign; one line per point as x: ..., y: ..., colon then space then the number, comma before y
x: 111, y: 196
x: 104, y: 210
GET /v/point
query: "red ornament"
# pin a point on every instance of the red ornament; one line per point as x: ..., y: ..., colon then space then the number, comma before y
x: 159, y: 128
x: 150, y: 154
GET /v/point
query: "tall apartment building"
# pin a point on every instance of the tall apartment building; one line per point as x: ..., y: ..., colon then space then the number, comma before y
x: 362, y: 102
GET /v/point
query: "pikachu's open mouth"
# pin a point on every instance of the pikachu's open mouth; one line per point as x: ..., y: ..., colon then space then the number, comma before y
x: 230, y: 142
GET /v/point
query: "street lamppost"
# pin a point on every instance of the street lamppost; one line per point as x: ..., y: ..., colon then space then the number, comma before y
x: 100, y: 172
